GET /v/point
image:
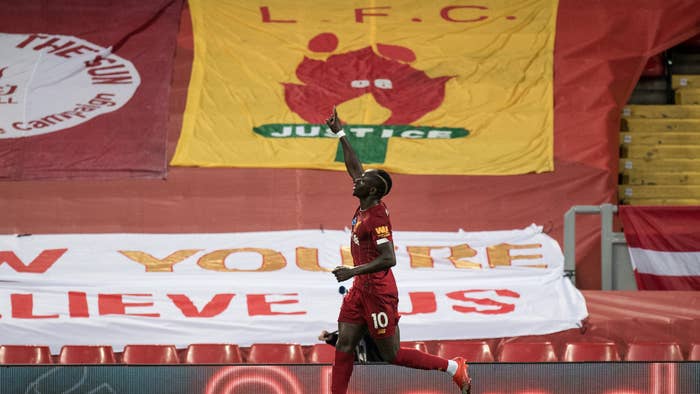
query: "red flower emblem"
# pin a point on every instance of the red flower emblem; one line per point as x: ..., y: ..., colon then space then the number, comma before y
x: 407, y: 92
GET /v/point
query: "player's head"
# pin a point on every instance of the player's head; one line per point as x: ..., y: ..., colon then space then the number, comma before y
x: 372, y: 183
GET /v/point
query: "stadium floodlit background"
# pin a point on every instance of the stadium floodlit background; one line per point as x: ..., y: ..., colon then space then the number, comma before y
x: 190, y: 120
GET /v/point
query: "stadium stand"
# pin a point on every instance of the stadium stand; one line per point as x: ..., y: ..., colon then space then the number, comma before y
x: 276, y: 353
x: 321, y: 353
x: 653, y: 352
x: 212, y: 353
x: 655, y: 67
x: 653, y: 87
x: 21, y: 354
x: 660, y: 144
x: 694, y: 354
x: 526, y: 352
x: 591, y: 351
x: 150, y: 354
x: 474, y: 351
x: 84, y: 354
x: 566, y: 347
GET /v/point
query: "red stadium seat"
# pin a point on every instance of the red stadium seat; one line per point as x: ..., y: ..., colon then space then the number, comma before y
x: 276, y: 353
x: 478, y: 351
x: 524, y: 352
x: 79, y: 354
x: 656, y: 351
x: 322, y: 353
x: 591, y: 351
x: 213, y: 353
x: 694, y: 354
x: 150, y: 354
x: 418, y: 345
x: 654, y: 67
x: 20, y: 354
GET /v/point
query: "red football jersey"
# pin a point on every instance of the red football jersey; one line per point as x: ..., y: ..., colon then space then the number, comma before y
x: 371, y: 228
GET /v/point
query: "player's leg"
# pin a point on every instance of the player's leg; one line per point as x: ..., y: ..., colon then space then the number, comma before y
x: 382, y: 319
x: 349, y: 334
x: 382, y: 324
x: 351, y: 328
x: 392, y: 352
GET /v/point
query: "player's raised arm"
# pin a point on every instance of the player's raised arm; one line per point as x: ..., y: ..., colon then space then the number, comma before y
x: 352, y: 163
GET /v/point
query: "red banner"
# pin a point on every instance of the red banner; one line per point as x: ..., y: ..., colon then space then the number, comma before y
x: 84, y: 87
x: 664, y: 245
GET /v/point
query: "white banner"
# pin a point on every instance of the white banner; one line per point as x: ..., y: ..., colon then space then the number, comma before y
x: 246, y: 288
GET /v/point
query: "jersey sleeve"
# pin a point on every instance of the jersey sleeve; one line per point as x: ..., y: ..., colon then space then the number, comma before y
x: 381, y: 227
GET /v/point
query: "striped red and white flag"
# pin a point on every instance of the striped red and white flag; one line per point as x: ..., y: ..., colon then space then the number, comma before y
x: 664, y: 245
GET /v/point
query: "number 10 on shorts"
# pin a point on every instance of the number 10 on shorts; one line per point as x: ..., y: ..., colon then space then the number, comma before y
x: 380, y: 320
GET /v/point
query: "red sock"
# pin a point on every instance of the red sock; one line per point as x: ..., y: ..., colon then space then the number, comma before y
x: 342, y: 369
x: 413, y: 358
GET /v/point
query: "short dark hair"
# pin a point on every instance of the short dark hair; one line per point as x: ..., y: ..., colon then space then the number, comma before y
x: 384, y: 182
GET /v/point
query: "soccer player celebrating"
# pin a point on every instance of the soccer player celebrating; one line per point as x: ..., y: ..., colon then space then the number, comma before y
x: 372, y: 303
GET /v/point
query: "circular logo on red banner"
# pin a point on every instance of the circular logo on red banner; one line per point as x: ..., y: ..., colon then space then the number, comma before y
x: 50, y: 83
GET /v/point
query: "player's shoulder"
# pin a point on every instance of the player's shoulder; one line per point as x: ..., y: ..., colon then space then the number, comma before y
x: 380, y: 215
x: 380, y: 210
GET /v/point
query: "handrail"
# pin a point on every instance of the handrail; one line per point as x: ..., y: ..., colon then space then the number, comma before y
x: 607, y: 239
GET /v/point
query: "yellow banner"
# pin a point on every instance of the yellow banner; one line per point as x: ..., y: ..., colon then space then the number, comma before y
x: 424, y: 87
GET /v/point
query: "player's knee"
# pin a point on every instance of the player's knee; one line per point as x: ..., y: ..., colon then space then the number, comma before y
x: 344, y: 348
x: 389, y: 355
x: 344, y: 345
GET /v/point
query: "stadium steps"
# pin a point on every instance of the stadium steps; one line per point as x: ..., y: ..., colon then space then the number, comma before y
x: 660, y: 144
x: 660, y: 201
x: 514, y: 349
x: 687, y: 96
x: 653, y: 180
x: 660, y: 138
x: 656, y: 125
x: 686, y: 63
x: 640, y: 151
x: 684, y: 81
x: 634, y: 165
x: 660, y: 178
x: 661, y: 111
x: 648, y: 97
x: 650, y: 91
x: 659, y: 192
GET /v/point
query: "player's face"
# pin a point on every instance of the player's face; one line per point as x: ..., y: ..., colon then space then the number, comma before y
x: 361, y: 186
x: 367, y: 184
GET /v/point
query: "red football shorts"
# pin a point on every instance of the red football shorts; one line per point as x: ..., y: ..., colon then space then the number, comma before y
x: 378, y: 311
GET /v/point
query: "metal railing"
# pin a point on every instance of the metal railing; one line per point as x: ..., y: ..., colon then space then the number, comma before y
x: 616, y: 270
